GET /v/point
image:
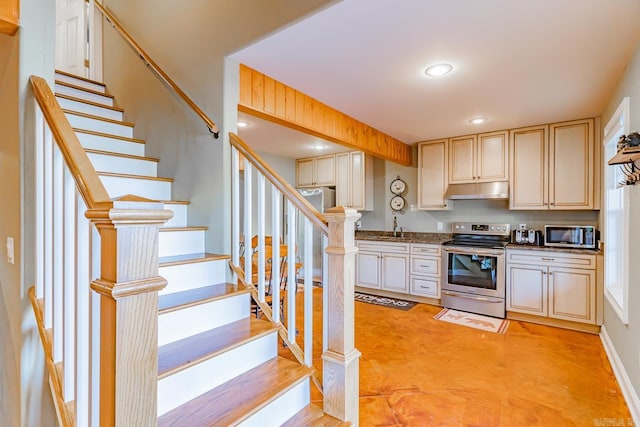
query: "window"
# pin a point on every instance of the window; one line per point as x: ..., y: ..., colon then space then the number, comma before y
x: 616, y: 218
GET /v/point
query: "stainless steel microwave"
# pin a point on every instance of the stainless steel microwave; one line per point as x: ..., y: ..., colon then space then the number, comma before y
x: 571, y: 236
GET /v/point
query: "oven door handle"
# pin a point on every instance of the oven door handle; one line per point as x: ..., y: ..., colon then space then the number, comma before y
x: 473, y: 251
x: 475, y: 298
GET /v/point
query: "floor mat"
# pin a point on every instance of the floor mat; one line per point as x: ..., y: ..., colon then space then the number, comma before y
x: 477, y: 321
x: 384, y: 301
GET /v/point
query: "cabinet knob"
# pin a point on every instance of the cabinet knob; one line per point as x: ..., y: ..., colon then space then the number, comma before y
x: 544, y: 273
x: 550, y: 274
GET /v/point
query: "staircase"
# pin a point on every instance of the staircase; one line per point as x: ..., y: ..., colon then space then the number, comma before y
x: 217, y: 365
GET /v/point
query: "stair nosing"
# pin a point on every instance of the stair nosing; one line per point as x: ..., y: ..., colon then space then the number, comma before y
x: 128, y: 156
x: 73, y: 76
x: 175, y: 202
x: 187, y: 228
x: 85, y: 101
x: 206, y: 300
x: 125, y: 175
x: 84, y: 89
x: 211, y: 257
x: 102, y: 119
x: 270, y: 330
x: 109, y: 135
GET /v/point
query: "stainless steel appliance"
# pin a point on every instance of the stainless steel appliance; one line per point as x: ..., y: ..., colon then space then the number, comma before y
x: 527, y: 236
x: 571, y: 236
x: 321, y: 198
x: 473, y: 273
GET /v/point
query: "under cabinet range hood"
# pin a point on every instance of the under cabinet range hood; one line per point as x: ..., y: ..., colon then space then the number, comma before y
x: 498, y: 190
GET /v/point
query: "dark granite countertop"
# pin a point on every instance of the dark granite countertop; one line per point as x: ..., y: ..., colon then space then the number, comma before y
x: 554, y: 249
x: 406, y: 237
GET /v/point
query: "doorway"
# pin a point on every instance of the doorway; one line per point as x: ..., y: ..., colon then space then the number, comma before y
x: 78, y: 38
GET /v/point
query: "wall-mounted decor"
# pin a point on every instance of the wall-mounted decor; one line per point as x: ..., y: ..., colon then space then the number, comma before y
x: 627, y: 158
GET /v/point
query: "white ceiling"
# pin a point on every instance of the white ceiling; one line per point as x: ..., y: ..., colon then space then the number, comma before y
x: 517, y: 62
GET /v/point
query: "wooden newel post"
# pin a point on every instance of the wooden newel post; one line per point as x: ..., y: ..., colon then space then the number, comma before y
x: 128, y: 286
x: 341, y: 359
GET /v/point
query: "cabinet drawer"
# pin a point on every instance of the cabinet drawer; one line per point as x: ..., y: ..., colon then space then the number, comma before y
x: 370, y: 245
x: 559, y: 259
x: 425, y: 286
x: 425, y: 249
x: 424, y: 265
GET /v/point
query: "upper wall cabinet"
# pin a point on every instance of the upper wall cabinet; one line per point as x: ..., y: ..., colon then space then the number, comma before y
x: 354, y: 180
x: 479, y: 158
x: 432, y: 174
x: 552, y: 167
x: 316, y: 171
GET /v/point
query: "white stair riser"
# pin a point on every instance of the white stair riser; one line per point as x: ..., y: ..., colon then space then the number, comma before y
x: 126, y: 165
x: 79, y: 82
x: 189, y: 383
x: 179, y: 218
x: 104, y: 143
x: 97, y: 125
x: 107, y: 113
x: 181, y: 242
x: 281, y: 409
x: 179, y: 324
x: 83, y: 94
x: 183, y: 277
x: 155, y: 190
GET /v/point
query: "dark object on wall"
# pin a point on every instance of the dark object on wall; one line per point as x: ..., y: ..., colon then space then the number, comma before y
x: 631, y: 140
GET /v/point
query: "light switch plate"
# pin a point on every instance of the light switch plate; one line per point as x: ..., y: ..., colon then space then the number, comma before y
x: 440, y: 226
x: 10, y: 254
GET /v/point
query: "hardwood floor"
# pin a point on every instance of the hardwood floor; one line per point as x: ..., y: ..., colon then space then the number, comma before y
x: 417, y: 371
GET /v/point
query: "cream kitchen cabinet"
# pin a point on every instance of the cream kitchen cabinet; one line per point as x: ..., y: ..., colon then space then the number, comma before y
x: 552, y: 167
x: 354, y: 180
x: 382, y: 265
x: 425, y: 270
x: 479, y: 158
x: 557, y: 285
x: 433, y: 177
x: 316, y: 171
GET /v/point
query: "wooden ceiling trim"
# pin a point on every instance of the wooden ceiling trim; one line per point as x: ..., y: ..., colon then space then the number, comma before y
x: 264, y: 97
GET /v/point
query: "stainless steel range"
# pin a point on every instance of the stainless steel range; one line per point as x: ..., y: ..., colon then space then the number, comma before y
x: 473, y: 276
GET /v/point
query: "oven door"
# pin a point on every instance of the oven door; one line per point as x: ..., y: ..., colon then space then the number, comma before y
x: 474, y: 271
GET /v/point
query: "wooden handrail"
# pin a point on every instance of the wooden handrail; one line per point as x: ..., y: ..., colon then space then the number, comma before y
x: 277, y: 181
x: 87, y: 180
x: 156, y: 69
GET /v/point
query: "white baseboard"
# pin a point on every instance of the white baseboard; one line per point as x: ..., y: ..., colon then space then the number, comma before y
x: 629, y: 393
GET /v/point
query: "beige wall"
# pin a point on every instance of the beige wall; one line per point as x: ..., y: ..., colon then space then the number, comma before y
x: 626, y: 338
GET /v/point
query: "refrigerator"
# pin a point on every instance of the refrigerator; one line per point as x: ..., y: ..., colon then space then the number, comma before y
x: 321, y: 198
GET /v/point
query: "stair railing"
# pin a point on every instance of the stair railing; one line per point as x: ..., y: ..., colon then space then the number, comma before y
x: 157, y: 70
x: 100, y: 347
x: 339, y: 355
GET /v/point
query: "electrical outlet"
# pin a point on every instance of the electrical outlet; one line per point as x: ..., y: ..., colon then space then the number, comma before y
x: 522, y: 226
x: 10, y: 250
x: 440, y: 226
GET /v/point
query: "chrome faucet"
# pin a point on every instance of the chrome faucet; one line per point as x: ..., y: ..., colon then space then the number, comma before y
x: 395, y: 227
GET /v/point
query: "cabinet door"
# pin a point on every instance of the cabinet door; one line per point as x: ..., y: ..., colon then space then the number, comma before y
x: 357, y: 189
x: 343, y: 184
x: 304, y: 173
x: 368, y: 269
x: 527, y: 289
x: 325, y: 171
x: 493, y: 157
x: 571, y: 165
x: 395, y: 275
x: 432, y: 175
x: 528, y: 168
x: 462, y: 160
x: 572, y: 294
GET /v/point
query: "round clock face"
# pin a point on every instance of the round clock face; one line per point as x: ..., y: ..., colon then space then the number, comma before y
x: 398, y: 186
x: 397, y: 203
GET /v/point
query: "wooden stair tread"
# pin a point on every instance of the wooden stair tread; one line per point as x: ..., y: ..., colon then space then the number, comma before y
x: 239, y: 398
x: 175, y: 202
x: 187, y: 228
x: 84, y: 89
x: 313, y: 415
x: 84, y: 101
x: 127, y: 156
x: 167, y: 261
x: 183, y: 299
x: 126, y: 175
x: 102, y: 119
x: 108, y: 135
x: 73, y: 76
x: 179, y: 355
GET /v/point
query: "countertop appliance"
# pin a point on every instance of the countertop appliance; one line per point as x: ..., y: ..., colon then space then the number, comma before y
x: 473, y: 261
x: 321, y: 198
x: 527, y: 236
x: 571, y: 236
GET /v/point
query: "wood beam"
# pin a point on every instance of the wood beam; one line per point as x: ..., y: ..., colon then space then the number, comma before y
x: 9, y: 16
x: 264, y: 97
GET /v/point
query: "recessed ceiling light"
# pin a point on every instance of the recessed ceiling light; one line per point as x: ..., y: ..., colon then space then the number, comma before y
x: 242, y: 124
x: 478, y: 120
x: 438, y: 70
x: 318, y: 146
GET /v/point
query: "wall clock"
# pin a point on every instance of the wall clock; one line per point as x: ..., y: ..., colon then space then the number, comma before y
x: 398, y: 186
